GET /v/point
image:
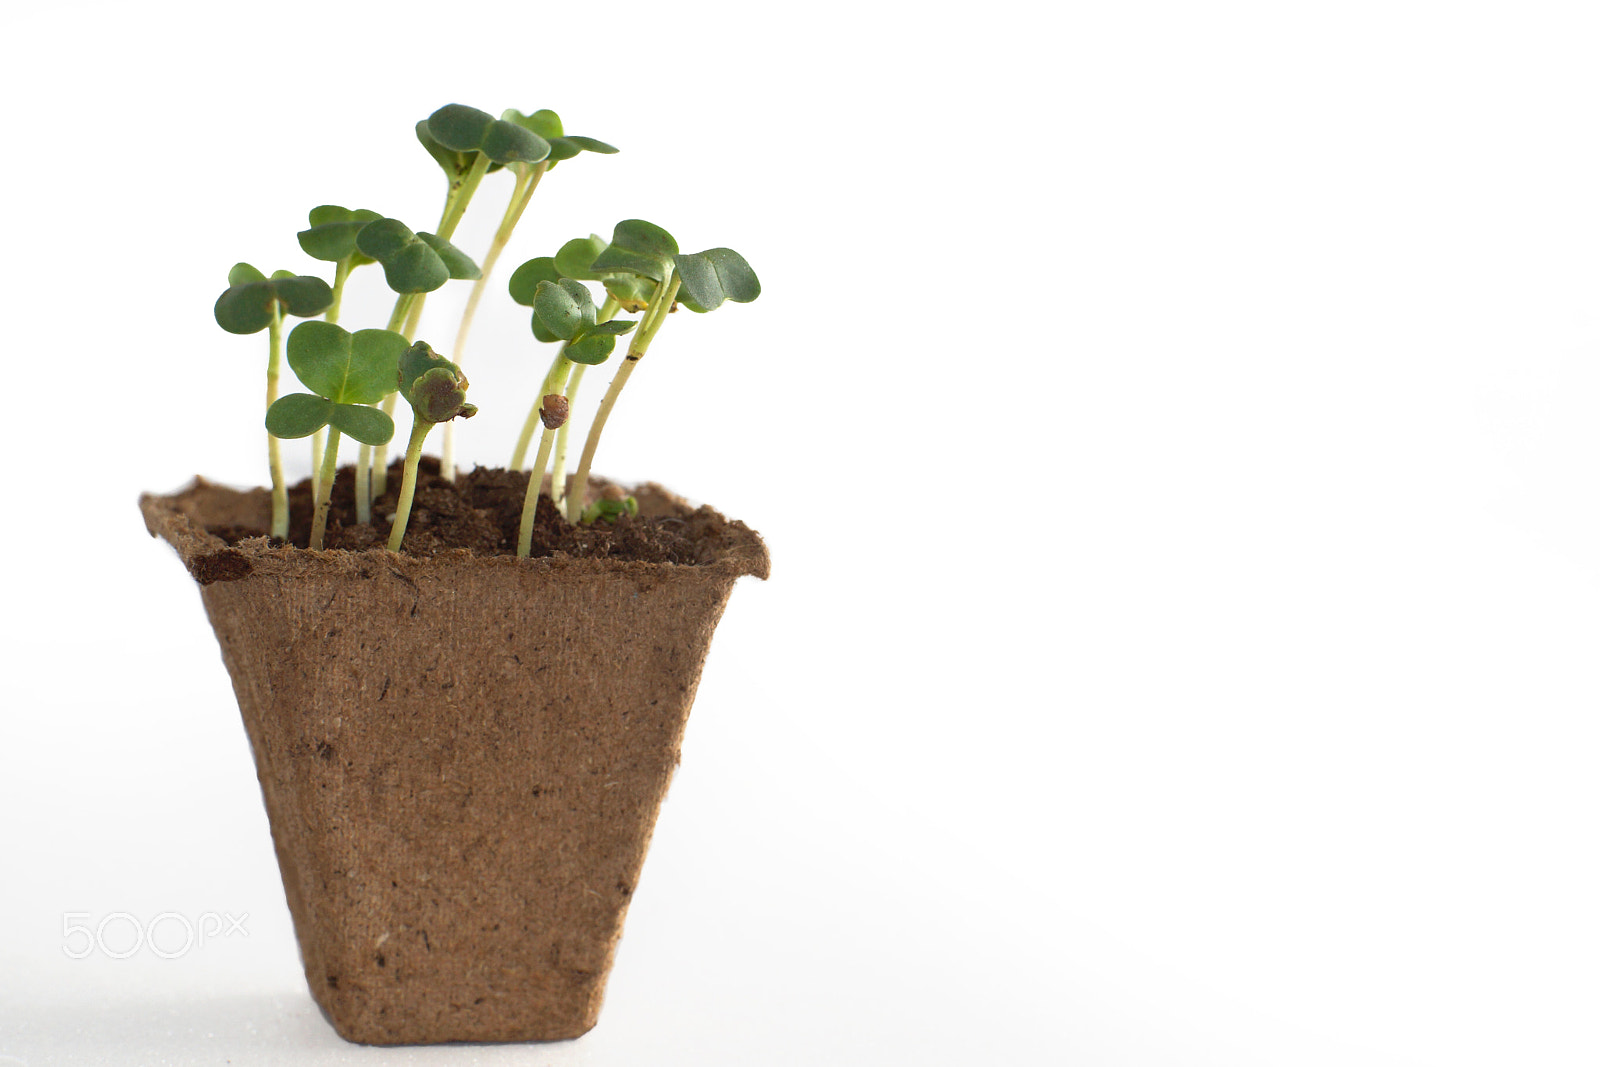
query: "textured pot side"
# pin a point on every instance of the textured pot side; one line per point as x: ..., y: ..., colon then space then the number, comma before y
x: 462, y: 758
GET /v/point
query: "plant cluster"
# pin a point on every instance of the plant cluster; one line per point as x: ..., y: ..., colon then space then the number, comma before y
x: 353, y: 379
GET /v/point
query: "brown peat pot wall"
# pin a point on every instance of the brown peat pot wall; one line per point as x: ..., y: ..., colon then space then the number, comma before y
x: 462, y: 757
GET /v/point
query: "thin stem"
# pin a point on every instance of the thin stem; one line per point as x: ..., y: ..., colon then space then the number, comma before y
x: 460, y: 196
x: 414, y: 316
x: 558, y: 470
x: 280, y: 491
x: 643, y: 334
x: 319, y: 441
x: 402, y: 304
x: 375, y: 461
x: 380, y: 454
x: 408, y: 483
x: 558, y: 473
x: 519, y: 455
x: 530, y: 500
x: 330, y: 464
x: 363, y: 484
x: 555, y: 383
x: 341, y: 271
x: 527, y: 181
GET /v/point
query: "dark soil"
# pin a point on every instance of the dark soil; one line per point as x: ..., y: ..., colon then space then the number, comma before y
x: 481, y: 512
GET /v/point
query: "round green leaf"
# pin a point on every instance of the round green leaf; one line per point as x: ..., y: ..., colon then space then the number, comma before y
x: 243, y: 273
x: 370, y: 426
x: 540, y: 333
x: 637, y: 235
x: 576, y: 257
x: 298, y: 415
x: 544, y: 122
x: 457, y: 262
x: 333, y: 231
x: 715, y: 275
x: 454, y: 164
x: 616, y: 327
x: 560, y: 309
x: 507, y: 142
x: 699, y: 289
x: 246, y: 308
x: 358, y: 368
x: 739, y: 282
x: 303, y: 295
x: 410, y: 265
x: 417, y: 269
x: 459, y: 128
x: 591, y: 348
x: 526, y: 278
x: 561, y: 148
x: 589, y: 144
x: 383, y: 238
x: 637, y: 247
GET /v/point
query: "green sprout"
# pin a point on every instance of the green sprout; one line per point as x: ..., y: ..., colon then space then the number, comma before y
x: 467, y: 144
x: 573, y: 260
x: 414, y: 264
x: 437, y: 392
x: 252, y: 303
x: 702, y: 281
x: 354, y: 379
x: 545, y: 125
x: 611, y: 506
x: 346, y: 373
x: 332, y: 239
x: 563, y: 310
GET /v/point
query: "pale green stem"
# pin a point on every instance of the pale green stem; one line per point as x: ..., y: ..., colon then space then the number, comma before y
x: 280, y: 491
x: 558, y: 468
x: 402, y: 304
x: 521, y: 192
x: 363, y: 484
x: 380, y: 454
x: 519, y: 455
x: 319, y: 440
x: 460, y: 196
x: 530, y: 500
x: 330, y: 465
x: 408, y: 482
x: 558, y: 471
x: 341, y: 271
x: 643, y: 334
x: 375, y: 461
x: 554, y: 383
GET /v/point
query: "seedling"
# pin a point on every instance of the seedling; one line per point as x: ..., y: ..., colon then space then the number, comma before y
x: 332, y: 238
x: 346, y: 372
x: 701, y: 280
x: 252, y: 303
x: 563, y: 310
x: 413, y: 264
x: 437, y: 392
x: 611, y: 506
x: 546, y: 125
x: 574, y: 260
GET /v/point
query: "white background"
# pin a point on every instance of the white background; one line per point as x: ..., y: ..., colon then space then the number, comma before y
x: 1175, y: 427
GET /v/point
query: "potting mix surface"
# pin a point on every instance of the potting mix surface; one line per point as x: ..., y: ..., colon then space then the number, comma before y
x: 481, y: 511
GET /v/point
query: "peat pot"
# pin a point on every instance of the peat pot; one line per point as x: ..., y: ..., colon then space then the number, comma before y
x: 462, y: 757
